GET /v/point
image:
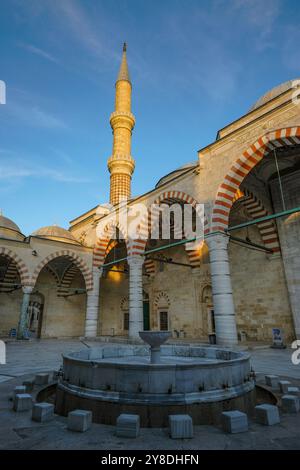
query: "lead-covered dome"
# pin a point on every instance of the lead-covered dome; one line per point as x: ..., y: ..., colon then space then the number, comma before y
x: 274, y: 92
x: 8, y: 229
x: 54, y: 232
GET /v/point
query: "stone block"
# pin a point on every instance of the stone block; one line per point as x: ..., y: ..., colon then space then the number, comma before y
x: 20, y: 389
x: 42, y: 412
x: 29, y: 384
x: 79, y: 420
x: 22, y: 402
x: 283, y: 385
x: 272, y: 381
x: 234, y: 421
x: 293, y: 391
x: 180, y: 426
x: 128, y: 425
x: 290, y: 403
x: 41, y: 379
x: 267, y: 414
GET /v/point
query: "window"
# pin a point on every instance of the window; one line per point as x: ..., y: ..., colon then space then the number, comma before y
x: 126, y: 321
x: 163, y: 321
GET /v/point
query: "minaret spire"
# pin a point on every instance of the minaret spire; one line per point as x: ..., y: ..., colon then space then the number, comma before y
x: 121, y: 164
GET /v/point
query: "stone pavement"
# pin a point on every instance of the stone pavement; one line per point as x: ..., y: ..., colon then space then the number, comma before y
x: 17, y: 431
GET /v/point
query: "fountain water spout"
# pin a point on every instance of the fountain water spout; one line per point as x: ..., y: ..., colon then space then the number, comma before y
x: 155, y: 339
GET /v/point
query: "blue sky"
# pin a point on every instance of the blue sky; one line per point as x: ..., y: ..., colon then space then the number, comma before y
x: 195, y: 65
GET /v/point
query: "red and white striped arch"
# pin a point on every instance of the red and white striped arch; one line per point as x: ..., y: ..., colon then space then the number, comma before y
x: 77, y: 260
x: 168, y: 197
x: 104, y: 244
x: 20, y: 264
x: 242, y: 167
x: 255, y: 209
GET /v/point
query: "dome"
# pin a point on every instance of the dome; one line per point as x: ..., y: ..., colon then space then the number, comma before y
x: 176, y: 172
x: 8, y: 229
x: 54, y: 232
x: 276, y: 91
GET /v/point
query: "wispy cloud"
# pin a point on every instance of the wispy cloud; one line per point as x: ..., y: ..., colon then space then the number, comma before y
x: 37, y: 51
x: 33, y: 116
x: 260, y: 15
x: 17, y: 169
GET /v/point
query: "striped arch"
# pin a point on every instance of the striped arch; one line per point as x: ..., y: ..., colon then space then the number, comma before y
x: 242, y: 167
x: 149, y: 265
x: 54, y: 274
x: 77, y: 260
x: 102, y: 245
x: 256, y: 209
x: 11, y: 277
x: 170, y: 197
x: 21, y: 266
x: 67, y: 280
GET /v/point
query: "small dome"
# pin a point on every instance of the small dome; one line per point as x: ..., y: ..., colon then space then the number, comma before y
x: 53, y: 232
x: 8, y: 229
x: 276, y: 91
x: 176, y: 172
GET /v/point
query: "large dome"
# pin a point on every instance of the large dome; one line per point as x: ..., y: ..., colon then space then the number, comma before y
x: 8, y: 229
x: 54, y: 232
x: 276, y: 91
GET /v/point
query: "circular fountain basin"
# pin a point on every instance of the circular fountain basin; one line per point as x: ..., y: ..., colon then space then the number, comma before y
x: 200, y: 381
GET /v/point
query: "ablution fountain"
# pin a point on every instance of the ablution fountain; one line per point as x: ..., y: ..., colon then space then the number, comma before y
x: 155, y: 382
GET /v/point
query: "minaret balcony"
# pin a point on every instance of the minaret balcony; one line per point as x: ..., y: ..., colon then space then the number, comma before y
x: 122, y: 119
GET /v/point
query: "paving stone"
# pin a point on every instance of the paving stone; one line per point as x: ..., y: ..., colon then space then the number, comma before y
x: 181, y: 426
x: 20, y: 389
x: 128, y: 425
x: 29, y: 384
x: 42, y: 379
x: 234, y: 421
x: 79, y: 420
x: 22, y: 402
x: 267, y: 414
x: 290, y: 403
x: 272, y: 381
x: 283, y: 385
x: 42, y: 412
x: 293, y: 391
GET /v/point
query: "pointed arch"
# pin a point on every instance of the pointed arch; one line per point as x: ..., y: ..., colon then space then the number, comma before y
x: 242, y: 167
x: 21, y: 265
x: 76, y: 259
x: 255, y: 209
x: 169, y: 197
x: 102, y: 244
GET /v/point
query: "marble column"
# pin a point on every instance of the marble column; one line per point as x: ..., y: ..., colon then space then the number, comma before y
x: 23, y: 319
x: 225, y: 322
x: 92, y: 305
x: 136, y: 319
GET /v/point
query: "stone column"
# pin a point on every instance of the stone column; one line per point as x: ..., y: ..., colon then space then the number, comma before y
x: 136, y: 320
x: 92, y: 305
x: 27, y: 290
x: 226, y: 332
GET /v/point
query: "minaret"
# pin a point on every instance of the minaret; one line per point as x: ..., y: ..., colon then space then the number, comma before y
x: 121, y: 164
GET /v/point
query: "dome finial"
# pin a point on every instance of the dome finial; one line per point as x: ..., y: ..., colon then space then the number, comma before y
x: 124, y: 47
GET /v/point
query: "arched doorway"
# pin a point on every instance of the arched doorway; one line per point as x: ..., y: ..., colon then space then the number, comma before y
x: 57, y: 305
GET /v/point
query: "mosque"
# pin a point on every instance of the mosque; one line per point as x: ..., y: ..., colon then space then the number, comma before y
x: 239, y: 285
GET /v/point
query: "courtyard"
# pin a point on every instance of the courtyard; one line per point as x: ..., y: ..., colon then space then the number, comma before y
x: 18, y: 431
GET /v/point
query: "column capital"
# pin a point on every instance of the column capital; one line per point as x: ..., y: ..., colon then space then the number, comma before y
x: 217, y: 240
x: 97, y: 272
x: 135, y: 260
x: 27, y: 289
